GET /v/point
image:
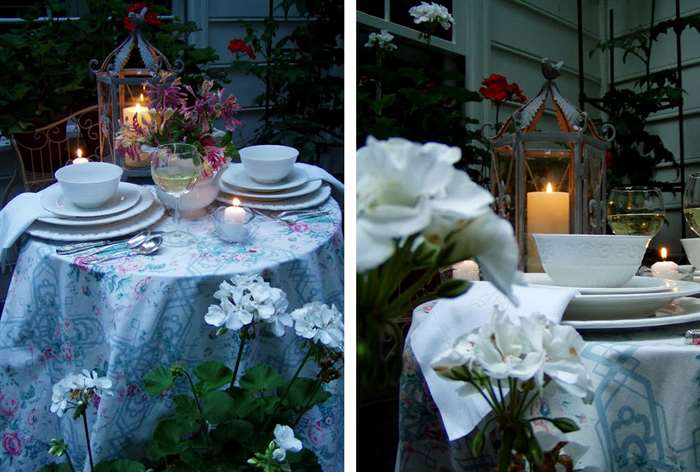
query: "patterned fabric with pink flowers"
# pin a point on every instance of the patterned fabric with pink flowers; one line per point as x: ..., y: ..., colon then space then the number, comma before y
x: 124, y: 317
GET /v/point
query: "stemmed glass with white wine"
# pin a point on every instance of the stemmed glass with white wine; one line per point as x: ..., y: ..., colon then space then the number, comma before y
x: 691, y: 202
x: 636, y: 211
x: 175, y: 169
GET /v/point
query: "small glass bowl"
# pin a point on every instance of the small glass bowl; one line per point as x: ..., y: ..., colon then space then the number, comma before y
x: 233, y: 232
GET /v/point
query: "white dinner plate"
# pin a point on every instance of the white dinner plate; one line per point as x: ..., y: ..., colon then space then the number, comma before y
x: 144, y: 204
x: 627, y: 305
x: 682, y: 310
x: 635, y: 285
x: 307, y: 201
x: 127, y: 196
x: 305, y: 189
x: 236, y: 176
x: 97, y: 232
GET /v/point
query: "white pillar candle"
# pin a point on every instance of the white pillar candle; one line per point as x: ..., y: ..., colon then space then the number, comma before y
x: 138, y: 110
x: 465, y: 270
x: 79, y: 158
x: 232, y: 225
x: 665, y: 269
x: 548, y: 213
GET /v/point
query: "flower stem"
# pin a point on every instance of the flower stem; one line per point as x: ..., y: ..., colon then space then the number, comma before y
x: 205, y: 429
x: 87, y: 440
x: 287, y: 389
x: 70, y: 462
x: 238, y: 363
x: 307, y: 404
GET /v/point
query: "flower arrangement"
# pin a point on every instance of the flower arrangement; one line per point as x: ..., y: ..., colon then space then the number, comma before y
x: 496, y: 88
x: 509, y: 362
x: 432, y: 14
x: 179, y: 113
x: 230, y: 419
x: 417, y: 214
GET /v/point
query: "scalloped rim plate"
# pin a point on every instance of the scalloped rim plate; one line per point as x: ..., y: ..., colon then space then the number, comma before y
x: 307, y: 201
x: 636, y: 285
x: 235, y: 175
x: 127, y: 196
x: 97, y: 232
x: 659, y: 318
x: 307, y: 188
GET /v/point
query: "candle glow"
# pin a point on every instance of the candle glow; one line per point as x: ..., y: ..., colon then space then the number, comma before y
x: 664, y: 253
x: 80, y: 159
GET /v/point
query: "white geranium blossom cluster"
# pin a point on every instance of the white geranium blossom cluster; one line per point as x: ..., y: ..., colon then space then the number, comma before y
x: 382, y: 40
x: 247, y: 299
x: 523, y: 349
x: 75, y: 388
x: 284, y: 441
x: 405, y: 188
x: 320, y: 323
x: 432, y: 13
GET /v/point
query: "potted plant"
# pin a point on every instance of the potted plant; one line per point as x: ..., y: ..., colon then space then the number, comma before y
x: 180, y: 114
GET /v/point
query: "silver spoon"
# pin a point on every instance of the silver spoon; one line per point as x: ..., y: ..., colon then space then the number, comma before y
x: 147, y: 247
x: 131, y: 243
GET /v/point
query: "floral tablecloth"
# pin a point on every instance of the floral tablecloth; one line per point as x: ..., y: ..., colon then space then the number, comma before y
x: 125, y: 317
x: 645, y: 415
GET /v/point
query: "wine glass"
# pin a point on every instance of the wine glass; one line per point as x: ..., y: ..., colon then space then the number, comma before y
x: 175, y: 169
x: 636, y: 211
x: 691, y: 202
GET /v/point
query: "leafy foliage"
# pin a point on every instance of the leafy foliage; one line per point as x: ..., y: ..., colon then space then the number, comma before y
x: 48, y: 74
x: 303, y: 99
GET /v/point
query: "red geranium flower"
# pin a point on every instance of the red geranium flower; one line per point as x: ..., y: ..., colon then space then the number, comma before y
x: 238, y: 46
x: 496, y: 88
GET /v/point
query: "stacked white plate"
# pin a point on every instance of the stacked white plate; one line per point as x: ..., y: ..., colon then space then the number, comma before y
x: 639, y: 303
x: 132, y: 209
x: 297, y: 191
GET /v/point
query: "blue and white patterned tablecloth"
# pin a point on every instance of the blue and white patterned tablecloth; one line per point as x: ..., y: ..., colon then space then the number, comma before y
x: 645, y: 415
x: 128, y: 316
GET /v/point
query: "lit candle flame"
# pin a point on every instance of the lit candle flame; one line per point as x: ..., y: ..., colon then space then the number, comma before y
x: 79, y: 153
x: 664, y: 253
x: 549, y: 187
x: 141, y: 98
x: 236, y: 202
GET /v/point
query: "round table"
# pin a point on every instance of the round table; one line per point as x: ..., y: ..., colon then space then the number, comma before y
x: 127, y: 316
x: 645, y: 414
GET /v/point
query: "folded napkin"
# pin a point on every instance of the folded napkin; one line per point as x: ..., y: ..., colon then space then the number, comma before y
x: 433, y: 333
x: 315, y: 172
x: 16, y: 217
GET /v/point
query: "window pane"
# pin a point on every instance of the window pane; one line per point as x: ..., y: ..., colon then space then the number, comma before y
x: 399, y: 14
x: 371, y: 7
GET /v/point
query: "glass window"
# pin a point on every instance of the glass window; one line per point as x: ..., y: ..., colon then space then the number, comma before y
x: 372, y: 7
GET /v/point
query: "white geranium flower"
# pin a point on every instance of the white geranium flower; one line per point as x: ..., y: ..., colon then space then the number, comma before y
x: 319, y: 323
x: 248, y: 299
x: 562, y: 345
x: 382, y: 40
x: 549, y: 440
x: 74, y: 388
x: 285, y: 441
x: 402, y: 187
x: 432, y: 13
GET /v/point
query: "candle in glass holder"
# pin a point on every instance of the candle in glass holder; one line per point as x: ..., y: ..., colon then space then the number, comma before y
x: 664, y: 269
x: 465, y: 270
x: 548, y: 213
x: 79, y: 157
x: 231, y: 223
x: 137, y: 110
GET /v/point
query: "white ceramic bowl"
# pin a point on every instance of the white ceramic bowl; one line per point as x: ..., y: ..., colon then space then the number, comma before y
x: 692, y: 250
x: 89, y: 185
x: 268, y: 163
x: 591, y: 260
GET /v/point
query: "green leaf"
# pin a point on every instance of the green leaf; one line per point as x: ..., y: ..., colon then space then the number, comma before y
x: 158, y: 381
x: 186, y: 408
x: 170, y: 435
x: 452, y: 288
x: 565, y: 425
x: 58, y: 447
x: 120, y: 465
x: 534, y: 450
x: 212, y: 375
x: 218, y: 407
x: 304, y: 394
x: 304, y: 461
x: 477, y: 444
x: 53, y: 467
x: 239, y: 431
x: 261, y: 378
x: 245, y: 403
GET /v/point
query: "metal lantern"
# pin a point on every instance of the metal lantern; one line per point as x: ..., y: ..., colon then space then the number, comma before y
x: 121, y: 82
x: 548, y: 175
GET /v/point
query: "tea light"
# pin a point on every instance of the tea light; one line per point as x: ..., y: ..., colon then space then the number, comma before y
x: 465, y: 270
x: 664, y: 269
x: 80, y: 159
x: 230, y: 222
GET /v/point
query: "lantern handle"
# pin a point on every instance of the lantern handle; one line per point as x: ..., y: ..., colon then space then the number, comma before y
x: 493, y: 126
x: 609, y: 132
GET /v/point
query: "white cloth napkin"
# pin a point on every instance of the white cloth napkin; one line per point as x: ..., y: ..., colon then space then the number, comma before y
x: 433, y: 333
x: 16, y: 217
x: 315, y: 172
